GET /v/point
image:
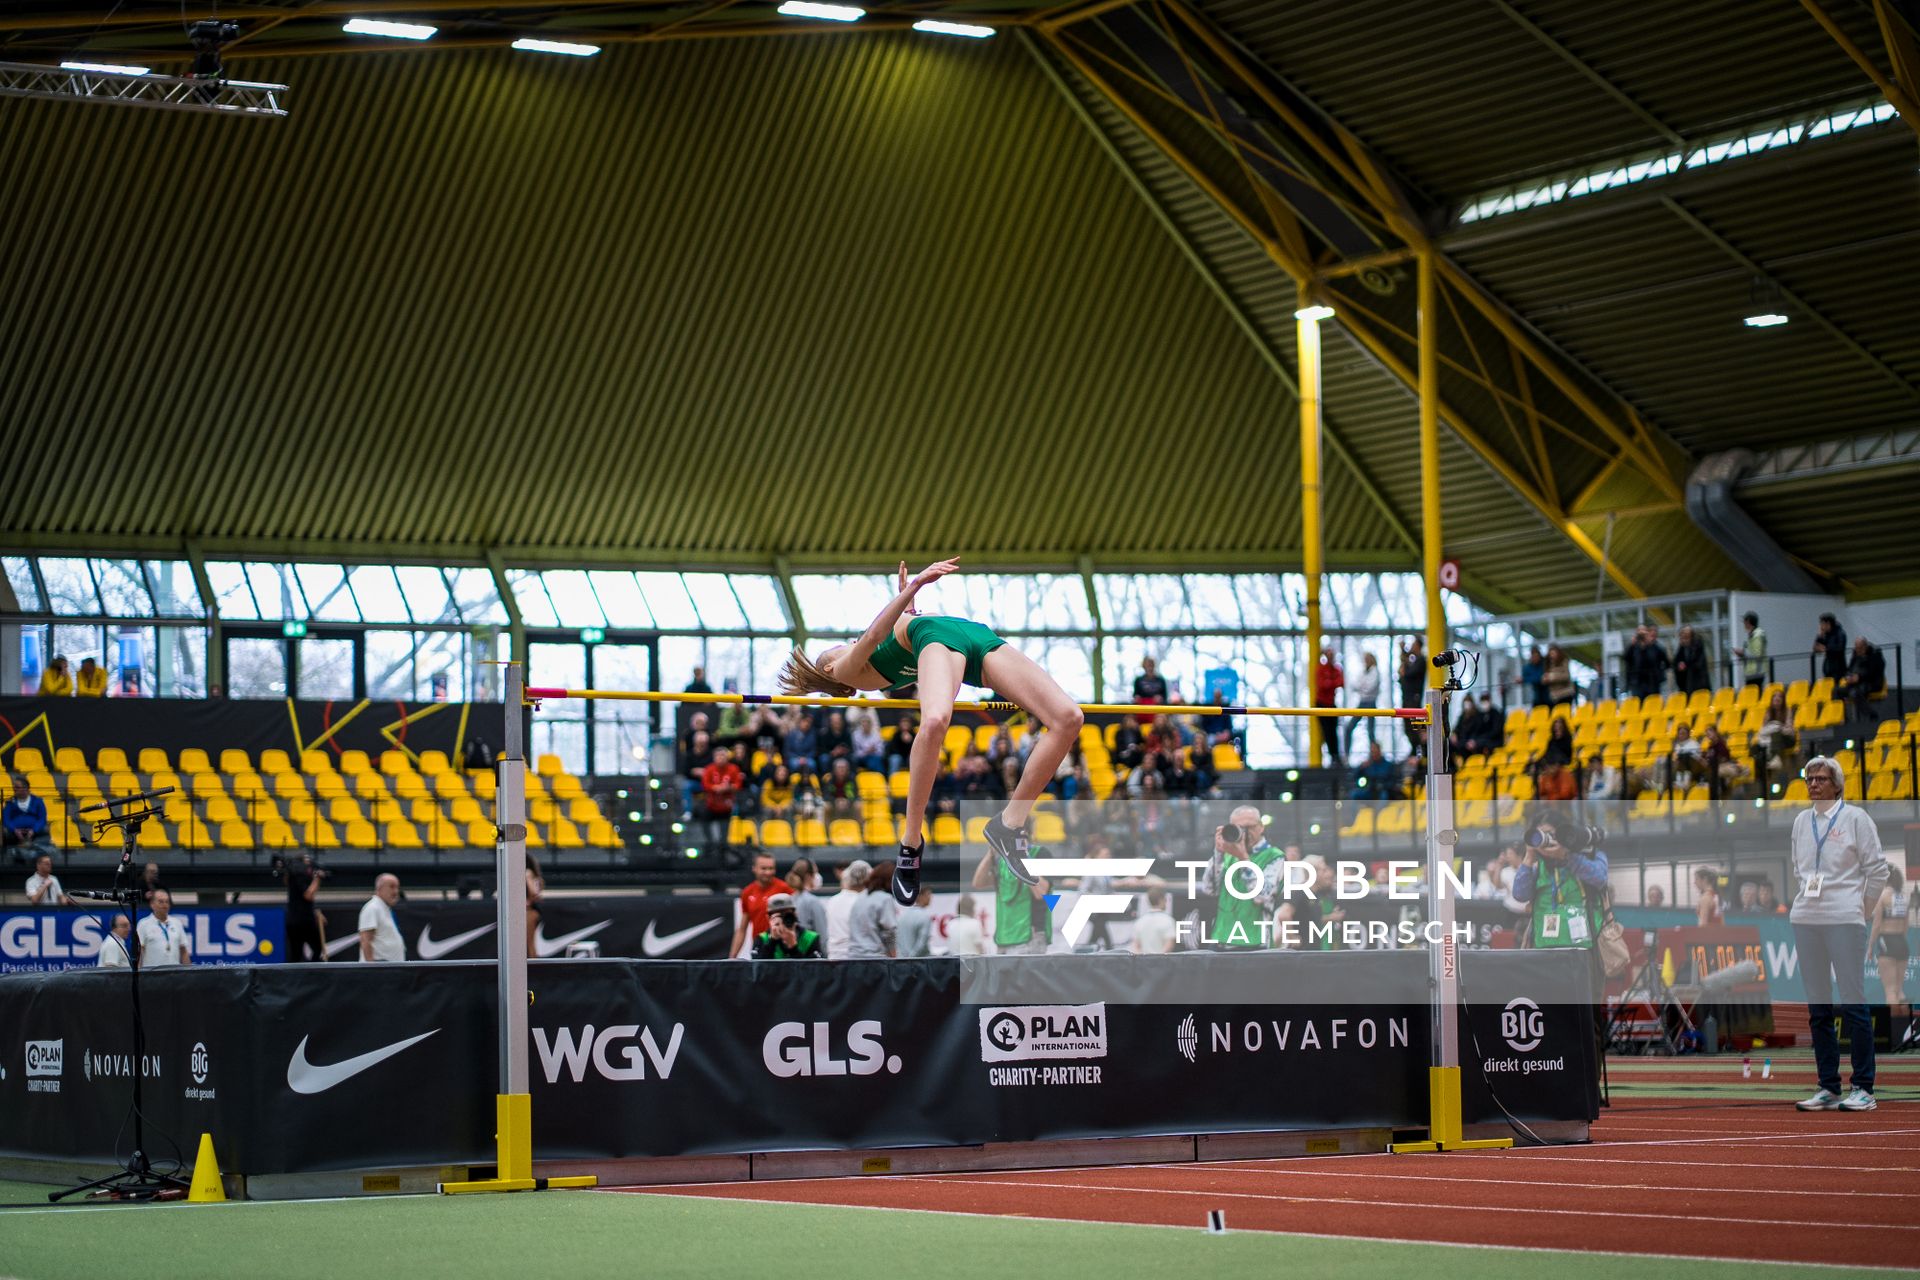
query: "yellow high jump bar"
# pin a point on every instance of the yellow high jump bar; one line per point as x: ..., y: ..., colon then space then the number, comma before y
x: 535, y: 694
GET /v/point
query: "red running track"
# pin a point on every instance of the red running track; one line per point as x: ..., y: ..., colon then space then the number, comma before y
x: 1698, y: 1182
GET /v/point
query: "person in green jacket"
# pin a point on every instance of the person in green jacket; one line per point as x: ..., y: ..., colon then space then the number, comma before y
x: 1022, y: 921
x: 937, y: 655
x: 785, y: 939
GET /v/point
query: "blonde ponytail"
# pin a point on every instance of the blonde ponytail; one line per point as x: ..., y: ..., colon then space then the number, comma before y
x: 802, y: 675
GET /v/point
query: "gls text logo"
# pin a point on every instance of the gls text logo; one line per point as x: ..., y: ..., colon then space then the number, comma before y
x: 788, y: 1052
x: 1523, y: 1025
x: 612, y: 1051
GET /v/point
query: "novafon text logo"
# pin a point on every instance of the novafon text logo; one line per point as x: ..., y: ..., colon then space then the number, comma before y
x: 1043, y: 1032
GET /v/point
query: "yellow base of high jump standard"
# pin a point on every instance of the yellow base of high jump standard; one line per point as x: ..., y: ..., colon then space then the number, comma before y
x: 513, y: 1121
x: 1443, y: 1119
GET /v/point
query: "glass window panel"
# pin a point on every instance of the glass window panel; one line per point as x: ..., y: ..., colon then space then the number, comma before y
x: 713, y: 598
x: 178, y: 663
x: 729, y: 663
x: 476, y: 596
x: 328, y: 599
x: 326, y: 668
x: 620, y: 746
x: 557, y: 666
x: 625, y: 667
x: 1141, y: 600
x: 276, y: 592
x: 70, y: 587
x: 768, y: 657
x: 536, y: 607
x: 573, y: 599
x: 123, y: 588
x: 564, y: 738
x: 679, y: 655
x: 130, y: 663
x: 256, y: 668
x: 20, y: 578
x: 620, y: 597
x: 1215, y: 599
x: 74, y: 643
x: 417, y: 666
x: 760, y: 597
x: 1068, y: 659
x: 425, y: 592
x: 175, y: 594
x: 621, y: 730
x: 839, y: 604
x: 377, y: 591
x: 668, y: 601
x: 231, y: 594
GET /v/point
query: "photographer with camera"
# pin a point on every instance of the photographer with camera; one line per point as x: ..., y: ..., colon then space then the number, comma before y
x: 1564, y: 877
x: 305, y: 941
x: 785, y: 939
x: 1243, y: 923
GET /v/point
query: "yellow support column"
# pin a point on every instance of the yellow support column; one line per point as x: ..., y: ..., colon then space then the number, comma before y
x: 1430, y: 531
x: 1307, y: 330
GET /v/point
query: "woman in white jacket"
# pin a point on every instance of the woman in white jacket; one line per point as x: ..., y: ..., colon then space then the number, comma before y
x: 1363, y: 686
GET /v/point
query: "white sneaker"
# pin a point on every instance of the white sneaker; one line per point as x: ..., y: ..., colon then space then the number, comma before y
x: 1824, y: 1100
x: 1858, y: 1100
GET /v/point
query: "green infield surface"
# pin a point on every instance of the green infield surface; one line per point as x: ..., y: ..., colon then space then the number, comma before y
x: 588, y: 1233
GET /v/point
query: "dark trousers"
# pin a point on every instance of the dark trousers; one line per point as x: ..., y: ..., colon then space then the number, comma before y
x: 1354, y: 726
x: 1826, y: 950
x: 303, y: 937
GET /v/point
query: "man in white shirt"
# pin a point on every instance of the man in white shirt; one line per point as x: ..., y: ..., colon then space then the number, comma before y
x: 1153, y: 931
x: 163, y: 941
x: 114, y: 953
x: 1841, y: 872
x: 43, y: 887
x: 840, y: 912
x: 965, y: 937
x: 379, y: 933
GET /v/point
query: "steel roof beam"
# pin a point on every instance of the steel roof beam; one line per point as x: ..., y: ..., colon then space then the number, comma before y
x: 1588, y: 73
x: 1791, y: 464
x: 1902, y: 96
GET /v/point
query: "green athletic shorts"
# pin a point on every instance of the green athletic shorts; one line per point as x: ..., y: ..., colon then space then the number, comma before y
x: 970, y: 640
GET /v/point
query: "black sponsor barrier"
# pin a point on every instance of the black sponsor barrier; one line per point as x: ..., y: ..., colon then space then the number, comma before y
x: 652, y: 927
x: 309, y: 1068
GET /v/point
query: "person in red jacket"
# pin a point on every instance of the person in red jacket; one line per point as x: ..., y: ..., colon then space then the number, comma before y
x: 720, y: 784
x: 1328, y: 680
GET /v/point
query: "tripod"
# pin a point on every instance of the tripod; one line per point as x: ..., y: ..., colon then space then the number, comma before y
x: 1660, y: 998
x: 136, y: 1179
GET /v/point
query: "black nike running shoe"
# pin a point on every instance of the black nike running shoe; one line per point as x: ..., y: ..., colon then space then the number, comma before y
x: 1010, y: 846
x: 906, y: 874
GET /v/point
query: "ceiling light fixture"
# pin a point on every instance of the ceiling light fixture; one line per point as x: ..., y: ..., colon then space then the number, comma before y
x: 1314, y: 312
x: 1766, y: 320
x: 397, y: 30
x: 1765, y: 306
x: 826, y: 12
x: 556, y: 46
x: 967, y: 29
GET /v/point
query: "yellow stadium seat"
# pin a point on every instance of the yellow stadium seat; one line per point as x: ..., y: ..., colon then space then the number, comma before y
x: 289, y: 785
x: 947, y: 830
x: 446, y: 835
x: 870, y: 784
x: 741, y: 831
x: 1048, y: 829
x: 221, y: 809
x: 276, y: 834
x: 123, y: 784
x: 897, y: 784
x: 583, y: 809
x: 410, y: 786
x: 601, y: 835
x: 355, y: 763
x: 395, y: 762
x: 432, y: 762
x: 549, y: 766
x: 81, y: 784
x: 1394, y: 819
x: 810, y: 833
x: 361, y: 834
x: 272, y: 761
x: 234, y: 760
x: 320, y: 834
x: 484, y: 784
x: 153, y: 760
x: 111, y: 760
x: 844, y: 833
x: 776, y: 833
x: 466, y: 810
x: 1362, y: 823
x: 369, y: 786
x: 70, y: 760
x: 481, y: 835
x: 540, y: 809
x: 1225, y: 758
x: 878, y: 831
x: 176, y: 808
x: 343, y: 809
x: 205, y: 786
x: 426, y: 812
x: 567, y: 787
x: 976, y: 830
x: 401, y: 835
x: 236, y: 835
x: 194, y: 760
x: 153, y: 835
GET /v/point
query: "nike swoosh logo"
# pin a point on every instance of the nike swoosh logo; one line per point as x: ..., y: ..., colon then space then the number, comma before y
x: 339, y: 945
x: 431, y: 948
x: 543, y: 946
x: 305, y: 1077
x: 654, y: 944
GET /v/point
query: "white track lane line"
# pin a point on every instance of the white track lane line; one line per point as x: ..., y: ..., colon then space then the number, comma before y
x: 675, y: 1189
x: 1533, y: 1182
x: 1421, y: 1204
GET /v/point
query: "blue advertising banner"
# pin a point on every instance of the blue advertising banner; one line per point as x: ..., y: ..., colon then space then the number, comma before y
x: 1780, y: 958
x: 36, y: 941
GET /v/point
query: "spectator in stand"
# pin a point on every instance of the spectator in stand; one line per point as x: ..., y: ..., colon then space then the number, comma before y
x: 1767, y: 900
x: 1887, y: 944
x: 900, y: 750
x: 1777, y: 741
x: 838, y: 791
x: 869, y: 748
x: 1866, y: 679
x: 699, y: 682
x: 1691, y: 672
x: 808, y: 906
x: 802, y: 744
x: 1009, y: 775
x: 56, y: 681
x: 944, y: 799
x: 1218, y: 726
x: 1129, y: 744
x: 753, y: 902
x: 1656, y: 896
x: 380, y: 938
x: 1000, y: 749
x: 720, y: 784
x: 1153, y: 931
x: 975, y: 782
x: 150, y: 880
x: 915, y: 927
x: 23, y: 823
x: 1557, y: 678
x: 853, y: 879
x: 785, y: 938
x: 1831, y: 644
x: 1708, y: 912
x: 163, y: 940
x: 116, y: 949
x: 1374, y: 779
x: 91, y: 680
x: 1753, y: 651
x: 1685, y: 763
x: 43, y: 887
x: 1328, y: 680
x: 1363, y: 691
x: 735, y: 731
x: 1470, y: 733
x: 1646, y: 663
x: 1841, y: 872
x: 776, y: 793
x: 1603, y: 780
x: 965, y: 937
x: 1148, y: 686
x: 304, y: 941
x: 833, y: 742
x: 873, y: 928
x: 1533, y: 675
x: 1723, y: 771
x: 1749, y: 896
x: 696, y: 753
x: 1558, y: 753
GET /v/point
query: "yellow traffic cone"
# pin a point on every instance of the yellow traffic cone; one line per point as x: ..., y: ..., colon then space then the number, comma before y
x: 1667, y: 973
x: 207, y: 1187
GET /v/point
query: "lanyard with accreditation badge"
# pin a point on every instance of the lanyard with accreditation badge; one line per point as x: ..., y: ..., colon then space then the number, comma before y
x: 1818, y: 879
